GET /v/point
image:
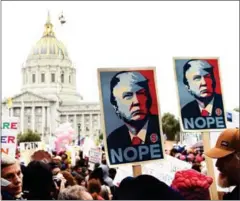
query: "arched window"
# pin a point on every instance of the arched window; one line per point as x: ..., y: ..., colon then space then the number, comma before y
x: 33, y: 78
x: 52, y: 77
x: 62, y: 77
x: 42, y: 77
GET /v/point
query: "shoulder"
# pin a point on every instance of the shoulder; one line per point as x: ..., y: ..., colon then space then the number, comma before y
x: 192, y: 104
x: 115, y: 134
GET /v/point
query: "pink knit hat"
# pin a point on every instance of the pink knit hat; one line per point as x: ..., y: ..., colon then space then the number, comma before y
x: 192, y: 185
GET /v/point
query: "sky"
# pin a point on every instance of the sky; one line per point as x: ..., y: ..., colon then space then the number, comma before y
x: 126, y: 34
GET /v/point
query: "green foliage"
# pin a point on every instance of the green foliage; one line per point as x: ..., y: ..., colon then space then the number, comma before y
x: 171, y: 126
x: 237, y: 109
x: 28, y: 136
x: 101, y: 136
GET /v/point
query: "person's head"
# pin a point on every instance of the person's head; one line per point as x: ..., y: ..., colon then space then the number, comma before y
x: 130, y: 96
x: 69, y: 178
x: 198, y: 77
x: 94, y: 188
x: 39, y: 179
x: 80, y: 180
x: 192, y: 185
x: 78, y: 169
x: 104, y: 161
x: 145, y: 187
x: 196, y: 166
x: 112, y: 173
x: 97, y: 174
x: 75, y: 192
x: 227, y: 153
x: 64, y: 157
x: 11, y: 171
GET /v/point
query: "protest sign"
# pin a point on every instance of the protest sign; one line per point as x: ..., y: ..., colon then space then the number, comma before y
x: 164, y: 170
x: 28, y: 148
x: 95, y: 156
x: 10, y: 129
x: 200, y: 96
x: 130, y: 106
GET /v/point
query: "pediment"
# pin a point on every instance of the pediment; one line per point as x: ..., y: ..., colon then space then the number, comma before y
x: 29, y: 97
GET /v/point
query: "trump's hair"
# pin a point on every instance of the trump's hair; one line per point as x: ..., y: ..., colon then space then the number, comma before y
x: 188, y: 65
x: 115, y: 80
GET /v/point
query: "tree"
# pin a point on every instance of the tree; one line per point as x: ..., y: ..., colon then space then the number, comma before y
x: 236, y: 109
x: 171, y: 126
x: 101, y: 136
x: 28, y: 136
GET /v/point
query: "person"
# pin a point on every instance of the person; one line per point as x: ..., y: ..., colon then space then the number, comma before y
x: 199, y: 79
x: 39, y: 181
x: 131, y: 100
x: 94, y: 188
x: 11, y: 178
x: 75, y: 192
x: 227, y: 153
x: 192, y: 185
x: 145, y: 187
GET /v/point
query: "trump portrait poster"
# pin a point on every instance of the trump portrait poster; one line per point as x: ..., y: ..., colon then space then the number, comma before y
x: 200, y: 94
x: 130, y: 115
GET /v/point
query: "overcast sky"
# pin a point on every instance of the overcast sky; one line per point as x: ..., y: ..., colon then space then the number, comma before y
x: 126, y: 34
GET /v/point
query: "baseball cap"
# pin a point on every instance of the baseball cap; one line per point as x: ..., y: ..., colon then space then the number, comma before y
x: 228, y: 142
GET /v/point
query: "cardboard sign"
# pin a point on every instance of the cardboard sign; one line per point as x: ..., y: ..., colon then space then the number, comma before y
x: 10, y: 129
x: 200, y: 97
x: 131, y: 115
x: 164, y: 170
x: 28, y: 148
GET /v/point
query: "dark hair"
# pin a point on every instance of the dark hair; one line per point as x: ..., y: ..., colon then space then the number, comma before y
x: 114, y: 81
x: 188, y: 65
x: 38, y: 179
x: 197, y: 167
x: 112, y: 173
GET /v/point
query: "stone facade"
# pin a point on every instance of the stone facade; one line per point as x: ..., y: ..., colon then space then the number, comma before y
x: 48, y: 95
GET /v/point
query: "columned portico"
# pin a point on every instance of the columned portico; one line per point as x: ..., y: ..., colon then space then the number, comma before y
x: 33, y: 118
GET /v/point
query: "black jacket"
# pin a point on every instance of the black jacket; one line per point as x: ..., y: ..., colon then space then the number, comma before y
x: 234, y: 195
x: 120, y: 137
x: 192, y: 110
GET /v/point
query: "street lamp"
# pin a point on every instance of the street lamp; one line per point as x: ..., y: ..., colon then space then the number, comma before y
x: 79, y: 130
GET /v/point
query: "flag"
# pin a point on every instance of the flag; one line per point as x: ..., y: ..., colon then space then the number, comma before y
x: 9, y: 103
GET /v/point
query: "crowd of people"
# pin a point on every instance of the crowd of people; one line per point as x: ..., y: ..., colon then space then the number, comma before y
x: 52, y: 177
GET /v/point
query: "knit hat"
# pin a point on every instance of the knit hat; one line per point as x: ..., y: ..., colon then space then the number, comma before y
x: 192, y: 185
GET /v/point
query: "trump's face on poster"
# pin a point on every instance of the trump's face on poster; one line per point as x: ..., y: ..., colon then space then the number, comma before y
x: 199, y: 79
x: 130, y: 95
x: 131, y: 118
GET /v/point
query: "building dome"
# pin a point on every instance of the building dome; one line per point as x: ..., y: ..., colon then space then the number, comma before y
x: 48, y: 45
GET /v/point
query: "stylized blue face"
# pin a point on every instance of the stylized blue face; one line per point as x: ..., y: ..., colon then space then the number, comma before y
x: 200, y: 82
x: 130, y: 97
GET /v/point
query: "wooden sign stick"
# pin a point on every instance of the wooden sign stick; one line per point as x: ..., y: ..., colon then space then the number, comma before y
x: 137, y: 170
x: 210, y: 168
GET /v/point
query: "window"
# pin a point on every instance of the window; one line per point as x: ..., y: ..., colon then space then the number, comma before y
x: 70, y: 79
x: 62, y: 78
x: 33, y: 78
x: 52, y: 77
x: 42, y: 77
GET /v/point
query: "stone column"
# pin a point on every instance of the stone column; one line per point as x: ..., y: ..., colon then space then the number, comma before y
x: 83, y: 123
x: 75, y: 122
x: 49, y: 123
x: 43, y: 119
x: 67, y: 118
x: 11, y: 112
x: 91, y: 124
x: 99, y: 121
x: 33, y: 118
x: 22, y: 117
